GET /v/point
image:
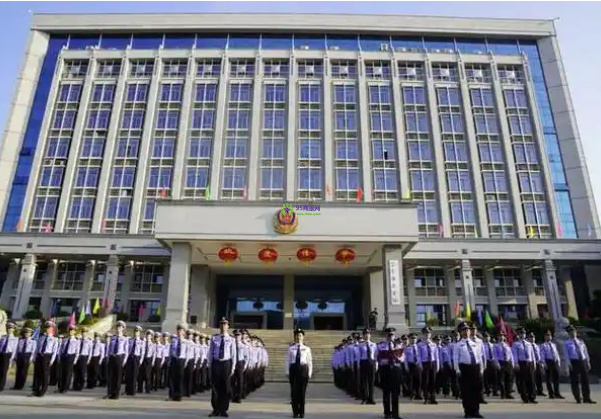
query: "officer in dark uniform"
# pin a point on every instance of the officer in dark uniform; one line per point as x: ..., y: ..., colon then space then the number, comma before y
x: 8, y: 351
x: 579, y: 364
x: 45, y: 355
x: 299, y: 368
x: 117, y: 354
x: 178, y: 358
x: 524, y: 356
x: 469, y: 366
x: 389, y: 365
x: 414, y: 367
x: 69, y: 354
x: 24, y: 355
x: 368, y: 367
x: 222, y: 353
x: 134, y: 359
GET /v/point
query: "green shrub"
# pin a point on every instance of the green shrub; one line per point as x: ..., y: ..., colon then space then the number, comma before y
x: 123, y: 317
x: 594, y: 351
x: 154, y: 319
x: 33, y: 315
x: 538, y: 326
x: 574, y: 322
x: 63, y: 314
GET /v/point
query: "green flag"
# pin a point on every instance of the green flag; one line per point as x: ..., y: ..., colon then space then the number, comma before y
x: 82, y: 316
x: 488, y: 321
x: 208, y: 193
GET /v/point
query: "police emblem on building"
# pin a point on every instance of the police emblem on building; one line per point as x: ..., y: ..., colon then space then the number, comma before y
x: 285, y: 220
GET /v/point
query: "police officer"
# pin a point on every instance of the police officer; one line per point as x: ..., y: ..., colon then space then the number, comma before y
x: 159, y: 359
x: 105, y: 361
x: 413, y: 365
x: 579, y: 364
x: 96, y: 360
x: 469, y: 367
x: 69, y: 355
x: 148, y: 356
x: 135, y: 358
x: 205, y: 381
x: 539, y: 366
x: 299, y: 368
x: 81, y: 367
x: 44, y: 357
x: 117, y: 354
x: 491, y: 366
x: 523, y: 353
x: 368, y: 354
x: 178, y: 358
x: 550, y: 357
x: 505, y: 360
x: 447, y: 371
x: 190, y: 363
x: 222, y: 353
x: 23, y: 356
x: 389, y: 367
x: 430, y: 361
x: 8, y: 351
x: 241, y: 363
x: 165, y: 367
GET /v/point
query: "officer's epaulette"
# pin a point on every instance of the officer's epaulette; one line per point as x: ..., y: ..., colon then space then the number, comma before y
x: 215, y: 335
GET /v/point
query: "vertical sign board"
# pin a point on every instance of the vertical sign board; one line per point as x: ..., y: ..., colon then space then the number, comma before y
x: 394, y: 273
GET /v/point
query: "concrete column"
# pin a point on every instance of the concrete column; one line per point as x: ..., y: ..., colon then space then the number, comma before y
x: 12, y: 276
x: 87, y: 284
x: 514, y: 189
x: 327, y: 133
x: 164, y: 292
x: 254, y: 147
x: 146, y: 143
x: 399, y: 125
x: 128, y: 278
x: 76, y: 139
x: 467, y: 283
x: 220, y: 121
x: 199, y: 283
x: 46, y: 303
x: 288, y: 303
x: 394, y: 298
x: 376, y: 294
x: 450, y: 280
x: 364, y: 137
x: 26, y: 279
x: 470, y: 138
x: 109, y: 293
x: 566, y: 277
x: 440, y: 172
x: 410, y: 273
x: 177, y: 298
x: 110, y: 148
x: 493, y: 306
x: 552, y: 290
x: 529, y: 286
x: 179, y: 164
x: 291, y: 133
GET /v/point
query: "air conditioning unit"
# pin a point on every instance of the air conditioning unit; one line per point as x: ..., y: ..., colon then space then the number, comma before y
x: 125, y: 193
x: 510, y: 75
x: 305, y: 47
x: 334, y: 47
x: 208, y: 69
x: 48, y: 162
x: 275, y: 69
x: 415, y: 50
x: 309, y: 70
x: 383, y: 47
x: 344, y: 71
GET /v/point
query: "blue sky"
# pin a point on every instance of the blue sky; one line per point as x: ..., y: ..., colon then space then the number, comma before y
x: 578, y: 30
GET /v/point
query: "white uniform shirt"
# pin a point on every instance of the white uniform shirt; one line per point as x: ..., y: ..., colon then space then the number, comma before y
x: 462, y: 354
x: 305, y: 357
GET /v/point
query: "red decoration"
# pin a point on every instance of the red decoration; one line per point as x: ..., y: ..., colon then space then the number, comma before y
x: 306, y: 255
x: 345, y: 256
x: 268, y: 255
x: 228, y: 254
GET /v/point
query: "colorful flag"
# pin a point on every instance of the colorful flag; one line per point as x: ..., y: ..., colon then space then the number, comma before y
x: 88, y: 308
x: 359, y: 194
x: 159, y: 311
x: 48, y: 228
x: 488, y: 321
x: 53, y: 308
x: 208, y: 193
x: 244, y: 193
x: 19, y: 226
x: 72, y: 319
x: 407, y: 194
x: 559, y: 230
x: 530, y: 232
x: 457, y: 309
x: 440, y: 230
x: 468, y: 312
x: 140, y: 311
x: 163, y: 193
x: 82, y: 316
x: 96, y: 308
x: 36, y: 332
x: 503, y: 328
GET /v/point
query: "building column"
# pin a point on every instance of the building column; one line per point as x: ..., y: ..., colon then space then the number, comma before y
x: 128, y: 276
x: 12, y: 275
x: 253, y: 177
x: 199, y: 298
x: 529, y: 286
x: 26, y: 278
x: 467, y: 283
x: 109, y: 292
x: 49, y: 278
x: 566, y: 277
x: 288, y: 304
x: 364, y: 135
x: 493, y: 307
x: 376, y: 295
x: 290, y: 162
x: 394, y: 298
x: 87, y: 284
x: 552, y: 290
x: 218, y: 143
x: 164, y: 290
x: 451, y: 290
x: 412, y: 302
x: 177, y: 297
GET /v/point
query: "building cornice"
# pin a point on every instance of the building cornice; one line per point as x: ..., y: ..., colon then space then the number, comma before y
x: 325, y: 23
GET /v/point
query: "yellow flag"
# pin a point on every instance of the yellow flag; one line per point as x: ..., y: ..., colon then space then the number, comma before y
x: 407, y: 194
x: 530, y: 232
x: 96, y: 308
x: 468, y: 312
x: 159, y: 311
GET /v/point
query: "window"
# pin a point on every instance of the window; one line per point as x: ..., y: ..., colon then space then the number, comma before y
x: 416, y: 122
x: 381, y: 121
x: 136, y: 92
x: 482, y: 98
x: 310, y: 120
x: 45, y: 207
x: 75, y: 69
x: 520, y: 125
x: 163, y: 148
x: 310, y: 179
x: 64, y: 119
x: 422, y: 180
x: 345, y: 94
x: 240, y: 92
x: 486, y: 124
x: 448, y: 96
x: 347, y: 179
x: 525, y: 153
x: 171, y: 92
x: 234, y: 177
x: 103, y: 93
x: 536, y: 213
x: 141, y: 68
x: 203, y: 118
x: 82, y: 207
x: 419, y: 150
x: 385, y: 179
x: 273, y: 148
x: 310, y: 93
x: 431, y: 311
x: 238, y: 119
x: 148, y: 278
x: 490, y: 153
x: 87, y: 177
x: 200, y: 147
x: 118, y: 209
x: 132, y: 119
x: 272, y: 178
x: 108, y: 68
x: 69, y: 93
x: 92, y: 148
x: 462, y: 212
x: 275, y: 68
x: 52, y: 176
x: 508, y: 282
x: 275, y: 93
x: 57, y: 148
x: 197, y: 177
x: 69, y: 277
x: 499, y: 213
x: 205, y: 92
x: 98, y: 119
x: 515, y: 98
x: 175, y: 68
x: 530, y: 182
x: 128, y: 147
x: 455, y: 151
x: 160, y: 177
x: 123, y: 177
x: 235, y: 148
x: 168, y: 119
x: 274, y: 119
x: 459, y: 181
x: 379, y: 95
x: 430, y: 282
x: 208, y: 68
x: 494, y: 181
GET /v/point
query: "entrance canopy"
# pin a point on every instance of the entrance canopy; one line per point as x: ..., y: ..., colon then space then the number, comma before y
x: 250, y: 227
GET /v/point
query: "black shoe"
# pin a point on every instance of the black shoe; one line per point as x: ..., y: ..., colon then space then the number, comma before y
x: 433, y: 402
x: 466, y: 416
x: 295, y: 416
x: 533, y: 402
x: 225, y: 415
x: 559, y: 396
x: 371, y: 402
x: 478, y: 415
x: 589, y: 401
x: 578, y: 401
x: 541, y: 394
x: 551, y: 396
x: 301, y: 416
x: 510, y: 397
x: 213, y: 414
x: 483, y: 402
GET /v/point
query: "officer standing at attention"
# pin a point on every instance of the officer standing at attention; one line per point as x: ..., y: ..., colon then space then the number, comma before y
x: 469, y: 367
x: 550, y: 356
x: 117, y: 354
x: 135, y: 358
x: 504, y: 357
x: 145, y: 372
x: 491, y: 367
x: 222, y: 353
x: 240, y: 365
x: 523, y: 353
x: 299, y: 368
x: 159, y: 358
x: 165, y: 368
x: 69, y: 354
x: 539, y: 366
x: 45, y: 355
x: 97, y: 354
x: 389, y: 367
x: 178, y: 357
x: 579, y: 364
x: 8, y: 351
x: 368, y: 367
x: 23, y: 357
x: 105, y: 361
x: 81, y: 367
x: 413, y: 364
x: 430, y: 361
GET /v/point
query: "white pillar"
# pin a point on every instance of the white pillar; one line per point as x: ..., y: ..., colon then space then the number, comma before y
x: 394, y: 298
x: 552, y: 290
x: 49, y: 278
x: 128, y: 276
x: 288, y: 304
x: 26, y: 279
x: 493, y: 306
x: 411, y: 296
x: 7, y: 289
x: 87, y: 284
x: 529, y: 286
x: 467, y: 283
x: 177, y: 297
x: 109, y: 292
x: 452, y: 292
x: 565, y: 276
x: 199, y: 295
x: 291, y: 133
x: 376, y: 294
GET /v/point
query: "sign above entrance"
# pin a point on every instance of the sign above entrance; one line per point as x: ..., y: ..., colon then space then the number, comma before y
x: 285, y: 220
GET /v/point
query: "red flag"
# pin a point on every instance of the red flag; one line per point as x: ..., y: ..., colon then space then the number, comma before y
x: 457, y: 309
x: 72, y: 319
x: 559, y: 230
x: 440, y: 230
x: 48, y: 228
x: 140, y: 311
x: 359, y: 194
x: 244, y: 193
x: 19, y: 226
x: 103, y: 226
x: 163, y: 193
x: 503, y: 328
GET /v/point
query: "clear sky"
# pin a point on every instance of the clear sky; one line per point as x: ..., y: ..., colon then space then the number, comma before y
x: 579, y: 32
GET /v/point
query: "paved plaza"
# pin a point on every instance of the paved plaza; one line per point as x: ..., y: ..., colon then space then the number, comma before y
x: 324, y: 401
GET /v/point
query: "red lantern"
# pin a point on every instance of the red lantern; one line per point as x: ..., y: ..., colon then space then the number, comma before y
x: 228, y: 254
x: 268, y: 255
x: 306, y: 255
x: 345, y: 256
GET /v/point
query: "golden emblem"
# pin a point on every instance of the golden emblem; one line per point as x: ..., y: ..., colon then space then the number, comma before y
x: 285, y: 220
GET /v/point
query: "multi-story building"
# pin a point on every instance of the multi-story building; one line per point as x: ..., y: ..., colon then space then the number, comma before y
x: 426, y: 164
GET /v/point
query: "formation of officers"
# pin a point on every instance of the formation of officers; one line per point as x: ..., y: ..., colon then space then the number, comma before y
x: 465, y: 365
x: 185, y: 363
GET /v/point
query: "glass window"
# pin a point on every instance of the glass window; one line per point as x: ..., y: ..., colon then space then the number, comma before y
x: 273, y: 148
x: 385, y: 179
x: 310, y: 120
x: 168, y: 119
x: 52, y: 176
x: 347, y: 179
x: 87, y: 177
x: 275, y: 93
x: 427, y: 212
x: 128, y: 147
x: 205, y: 92
x: 274, y: 119
x: 235, y: 148
x: 238, y: 119
x: 234, y: 177
x: 310, y: 178
x: 422, y: 180
x: 200, y: 147
x: 82, y: 207
x: 272, y: 178
x: 347, y: 150
x: 310, y: 149
x: 197, y: 177
x: 203, y: 118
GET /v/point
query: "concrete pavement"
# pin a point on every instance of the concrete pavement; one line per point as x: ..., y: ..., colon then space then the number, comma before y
x: 324, y: 401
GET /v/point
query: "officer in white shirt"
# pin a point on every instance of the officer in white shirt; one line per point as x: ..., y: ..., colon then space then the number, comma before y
x: 117, y: 354
x: 69, y: 355
x: 8, y: 351
x: 241, y: 364
x: 44, y: 356
x: 299, y: 369
x: 469, y: 367
x: 222, y: 354
x: 80, y: 368
x: 178, y: 358
x: 159, y: 358
x: 368, y: 367
x: 190, y: 361
x: 148, y: 355
x: 135, y: 357
x: 95, y: 361
x: 23, y: 357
